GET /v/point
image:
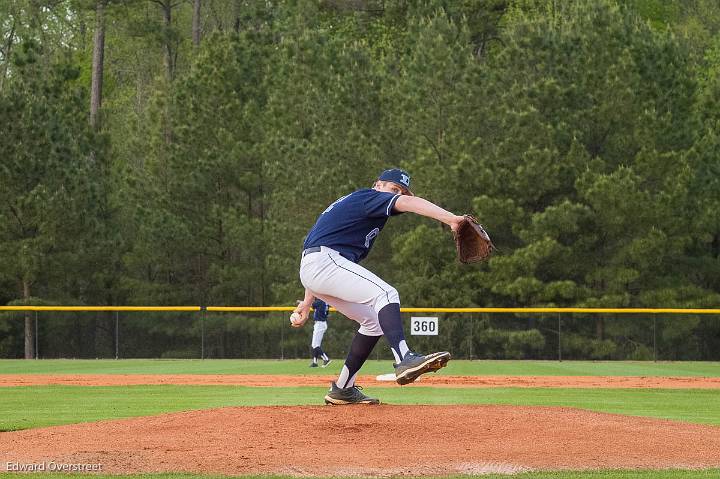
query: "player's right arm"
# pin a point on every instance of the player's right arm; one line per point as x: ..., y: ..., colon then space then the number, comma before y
x: 421, y: 206
x: 303, y: 307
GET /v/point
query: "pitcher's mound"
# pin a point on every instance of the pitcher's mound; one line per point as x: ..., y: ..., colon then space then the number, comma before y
x: 370, y: 440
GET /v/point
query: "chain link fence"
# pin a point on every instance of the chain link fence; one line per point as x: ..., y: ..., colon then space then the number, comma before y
x: 265, y: 333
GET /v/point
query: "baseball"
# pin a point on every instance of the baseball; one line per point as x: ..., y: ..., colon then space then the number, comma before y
x: 295, y: 319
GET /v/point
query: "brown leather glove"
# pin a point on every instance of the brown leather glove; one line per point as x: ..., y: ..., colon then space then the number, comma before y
x: 472, y: 241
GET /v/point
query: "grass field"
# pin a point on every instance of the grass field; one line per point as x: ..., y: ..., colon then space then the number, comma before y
x: 296, y: 366
x: 39, y: 406
x: 671, y: 474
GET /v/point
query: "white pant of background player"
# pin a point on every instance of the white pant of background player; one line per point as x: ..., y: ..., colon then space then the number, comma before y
x: 319, y: 329
x: 351, y: 289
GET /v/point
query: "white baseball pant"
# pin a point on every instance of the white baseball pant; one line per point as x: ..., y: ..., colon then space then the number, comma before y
x: 348, y: 287
x: 319, y: 329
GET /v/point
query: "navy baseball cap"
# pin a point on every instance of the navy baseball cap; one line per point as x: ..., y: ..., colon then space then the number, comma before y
x: 399, y: 177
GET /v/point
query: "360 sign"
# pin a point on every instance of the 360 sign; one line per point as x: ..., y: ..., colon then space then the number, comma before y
x: 423, y: 326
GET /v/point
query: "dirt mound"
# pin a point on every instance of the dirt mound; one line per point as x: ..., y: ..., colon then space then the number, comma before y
x: 368, y: 440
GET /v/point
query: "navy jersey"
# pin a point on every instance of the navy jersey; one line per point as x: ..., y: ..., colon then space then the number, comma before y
x: 321, y: 310
x: 351, y: 224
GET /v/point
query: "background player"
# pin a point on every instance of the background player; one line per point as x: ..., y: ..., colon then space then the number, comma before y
x: 320, y: 317
x: 342, y: 237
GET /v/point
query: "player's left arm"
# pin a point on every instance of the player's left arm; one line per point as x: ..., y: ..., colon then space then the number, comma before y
x: 423, y: 207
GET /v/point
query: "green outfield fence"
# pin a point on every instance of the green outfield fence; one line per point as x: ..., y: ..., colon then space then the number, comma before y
x: 264, y: 332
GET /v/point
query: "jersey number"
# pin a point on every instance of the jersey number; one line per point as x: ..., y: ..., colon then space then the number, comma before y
x: 333, y: 205
x: 370, y: 236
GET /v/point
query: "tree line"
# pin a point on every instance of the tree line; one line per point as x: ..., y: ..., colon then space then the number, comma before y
x: 176, y: 152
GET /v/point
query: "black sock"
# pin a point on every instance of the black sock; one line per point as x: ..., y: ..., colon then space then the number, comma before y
x: 360, y: 350
x: 321, y: 354
x: 392, y: 327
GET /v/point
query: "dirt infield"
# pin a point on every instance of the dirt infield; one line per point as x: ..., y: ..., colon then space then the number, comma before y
x: 381, y: 440
x: 385, y: 440
x: 7, y: 380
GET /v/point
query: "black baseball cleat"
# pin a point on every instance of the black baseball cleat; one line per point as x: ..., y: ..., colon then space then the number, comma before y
x: 351, y: 395
x: 326, y: 362
x: 413, y: 365
x: 313, y: 365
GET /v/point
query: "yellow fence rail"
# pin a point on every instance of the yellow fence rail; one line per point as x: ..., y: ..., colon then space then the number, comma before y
x: 100, y: 308
x: 404, y: 310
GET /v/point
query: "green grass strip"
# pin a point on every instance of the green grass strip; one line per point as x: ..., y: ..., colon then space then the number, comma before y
x: 617, y: 474
x: 40, y: 406
x: 300, y: 366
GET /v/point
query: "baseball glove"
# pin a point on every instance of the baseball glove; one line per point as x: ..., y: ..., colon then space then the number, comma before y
x: 472, y: 242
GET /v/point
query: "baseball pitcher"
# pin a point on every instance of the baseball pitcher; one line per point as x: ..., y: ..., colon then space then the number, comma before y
x: 329, y: 270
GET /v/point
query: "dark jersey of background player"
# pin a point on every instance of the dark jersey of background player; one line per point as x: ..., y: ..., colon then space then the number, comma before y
x: 321, y: 310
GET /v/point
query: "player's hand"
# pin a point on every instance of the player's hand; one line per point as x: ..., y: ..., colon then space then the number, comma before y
x: 455, y: 223
x: 302, y: 309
